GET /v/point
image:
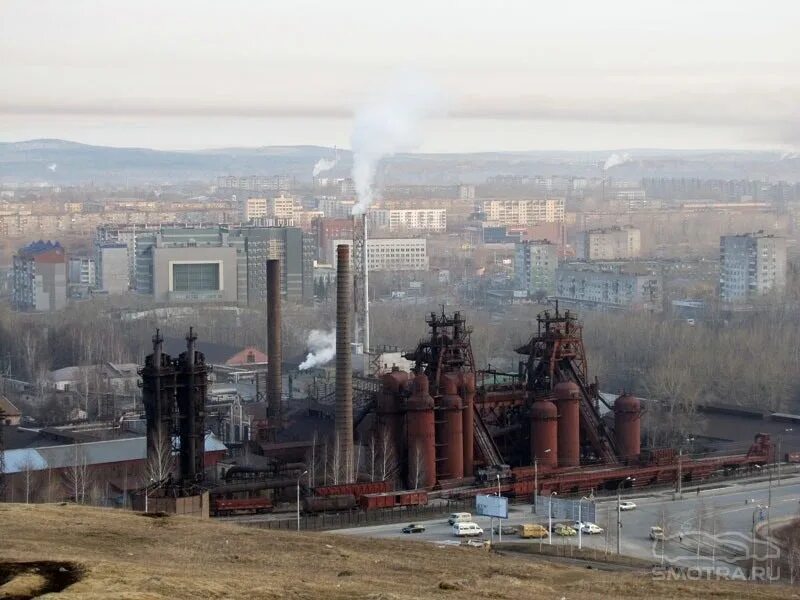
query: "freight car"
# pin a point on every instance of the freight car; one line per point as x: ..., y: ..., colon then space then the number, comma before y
x: 393, y: 499
x: 356, y: 489
x: 318, y: 504
x: 228, y: 506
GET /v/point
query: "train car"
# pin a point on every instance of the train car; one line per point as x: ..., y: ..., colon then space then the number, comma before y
x: 228, y: 506
x: 355, y: 489
x: 318, y: 504
x: 393, y: 499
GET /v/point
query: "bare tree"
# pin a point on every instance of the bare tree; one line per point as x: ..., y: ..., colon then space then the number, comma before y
x: 160, y: 460
x: 417, y: 467
x: 28, y: 469
x: 388, y: 461
x: 78, y: 474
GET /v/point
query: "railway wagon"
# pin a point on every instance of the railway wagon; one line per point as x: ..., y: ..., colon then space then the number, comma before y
x: 393, y: 499
x: 355, y: 489
x: 318, y: 504
x: 228, y: 506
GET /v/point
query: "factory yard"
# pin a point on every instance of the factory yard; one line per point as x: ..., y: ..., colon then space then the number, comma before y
x: 117, y: 554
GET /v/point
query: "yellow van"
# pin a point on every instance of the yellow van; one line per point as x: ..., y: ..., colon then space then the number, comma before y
x: 532, y: 530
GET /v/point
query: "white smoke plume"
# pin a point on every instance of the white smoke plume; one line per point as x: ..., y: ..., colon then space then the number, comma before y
x: 790, y: 155
x: 322, y: 348
x: 616, y: 160
x: 389, y: 124
x: 323, y: 164
x: 52, y: 167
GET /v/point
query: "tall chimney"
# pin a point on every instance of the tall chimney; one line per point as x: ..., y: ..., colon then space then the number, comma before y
x: 274, y: 356
x: 344, y: 367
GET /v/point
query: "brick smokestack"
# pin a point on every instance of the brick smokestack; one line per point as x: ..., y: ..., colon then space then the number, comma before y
x: 274, y: 355
x: 344, y: 367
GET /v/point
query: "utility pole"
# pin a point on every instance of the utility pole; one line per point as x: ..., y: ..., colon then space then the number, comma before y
x: 680, y: 473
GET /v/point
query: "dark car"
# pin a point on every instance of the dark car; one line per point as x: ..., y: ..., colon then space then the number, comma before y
x: 413, y: 528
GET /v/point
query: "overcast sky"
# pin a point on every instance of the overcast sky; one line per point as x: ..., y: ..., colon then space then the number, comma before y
x: 515, y: 75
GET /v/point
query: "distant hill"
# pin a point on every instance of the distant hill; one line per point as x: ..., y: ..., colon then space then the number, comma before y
x: 65, y: 162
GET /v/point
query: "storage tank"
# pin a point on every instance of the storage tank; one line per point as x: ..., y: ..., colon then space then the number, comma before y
x: 421, y: 435
x: 451, y: 406
x: 468, y: 421
x: 568, y: 397
x: 627, y: 425
x: 544, y: 433
x: 390, y: 413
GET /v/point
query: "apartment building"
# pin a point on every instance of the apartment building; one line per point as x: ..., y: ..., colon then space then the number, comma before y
x: 607, y: 286
x: 413, y: 219
x: 394, y: 254
x: 751, y: 265
x: 612, y: 243
x: 535, y: 265
x: 39, y: 278
x: 524, y: 212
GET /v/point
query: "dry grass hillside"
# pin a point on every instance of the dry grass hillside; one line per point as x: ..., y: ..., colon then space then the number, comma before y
x: 112, y: 554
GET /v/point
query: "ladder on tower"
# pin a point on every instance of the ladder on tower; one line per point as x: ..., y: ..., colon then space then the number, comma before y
x: 485, y: 442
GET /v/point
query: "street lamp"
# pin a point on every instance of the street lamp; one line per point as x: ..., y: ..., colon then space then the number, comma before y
x: 580, y: 522
x: 299, y: 477
x: 550, y: 518
x: 778, y: 458
x: 619, y: 512
x: 680, y: 467
x: 536, y: 479
x: 769, y: 497
x: 758, y: 508
x: 146, y: 490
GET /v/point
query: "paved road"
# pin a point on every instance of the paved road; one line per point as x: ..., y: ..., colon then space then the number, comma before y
x: 726, y: 512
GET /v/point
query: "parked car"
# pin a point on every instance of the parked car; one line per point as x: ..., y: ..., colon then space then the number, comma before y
x: 467, y: 530
x: 459, y: 517
x: 505, y: 529
x: 587, y: 527
x: 532, y: 530
x: 656, y: 533
x: 414, y: 528
x: 563, y: 529
x: 627, y: 505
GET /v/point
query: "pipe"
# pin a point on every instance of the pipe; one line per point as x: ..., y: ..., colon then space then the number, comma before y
x: 344, y: 367
x: 274, y: 356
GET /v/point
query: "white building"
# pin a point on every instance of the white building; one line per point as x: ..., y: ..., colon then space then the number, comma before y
x: 524, y: 212
x: 612, y: 243
x: 535, y: 264
x: 253, y: 208
x: 111, y: 264
x: 411, y: 219
x: 334, y: 208
x: 751, y: 265
x: 394, y: 254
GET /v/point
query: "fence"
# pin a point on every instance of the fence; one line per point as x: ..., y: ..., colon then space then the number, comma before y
x: 360, y: 518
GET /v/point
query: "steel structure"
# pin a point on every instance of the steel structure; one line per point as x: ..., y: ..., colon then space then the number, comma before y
x: 361, y: 282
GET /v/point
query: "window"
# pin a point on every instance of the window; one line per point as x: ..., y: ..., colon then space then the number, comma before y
x: 195, y: 277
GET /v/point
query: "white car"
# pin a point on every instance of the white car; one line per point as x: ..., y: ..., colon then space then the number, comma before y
x: 587, y: 527
x: 627, y: 505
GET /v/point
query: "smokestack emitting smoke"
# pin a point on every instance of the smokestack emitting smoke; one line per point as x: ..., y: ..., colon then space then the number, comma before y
x: 616, y: 160
x: 322, y: 348
x: 385, y: 126
x: 323, y: 164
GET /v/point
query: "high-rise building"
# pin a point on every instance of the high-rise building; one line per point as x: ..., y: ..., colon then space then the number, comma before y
x: 612, y: 243
x: 39, y: 278
x: 394, y: 254
x: 535, y: 265
x: 81, y: 271
x: 111, y: 265
x: 409, y: 219
x: 751, y: 265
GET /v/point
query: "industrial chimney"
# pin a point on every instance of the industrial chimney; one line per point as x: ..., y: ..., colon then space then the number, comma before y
x: 344, y: 367
x: 274, y: 382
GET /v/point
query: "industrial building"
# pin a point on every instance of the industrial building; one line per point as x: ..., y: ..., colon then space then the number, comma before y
x: 112, y: 267
x: 612, y: 243
x: 411, y: 219
x: 610, y: 286
x: 39, y: 278
x: 223, y: 264
x: 394, y: 254
x: 535, y: 265
x: 327, y: 231
x: 751, y: 265
x: 524, y: 212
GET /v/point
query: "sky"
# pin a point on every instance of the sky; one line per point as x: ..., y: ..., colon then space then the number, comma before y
x: 514, y: 75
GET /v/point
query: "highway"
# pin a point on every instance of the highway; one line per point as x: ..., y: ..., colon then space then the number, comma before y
x: 725, y: 513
